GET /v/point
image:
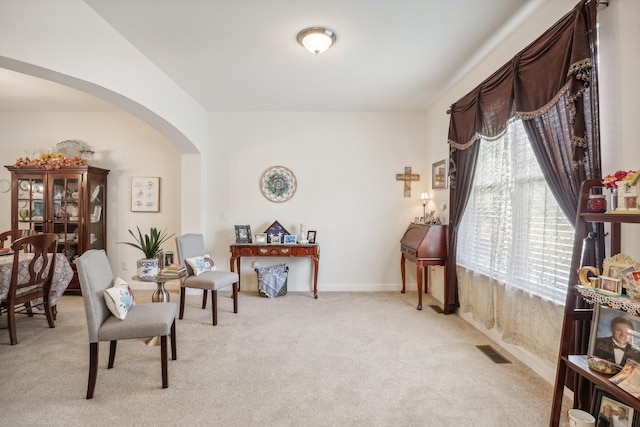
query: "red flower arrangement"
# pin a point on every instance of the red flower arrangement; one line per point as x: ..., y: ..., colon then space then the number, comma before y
x: 611, y: 180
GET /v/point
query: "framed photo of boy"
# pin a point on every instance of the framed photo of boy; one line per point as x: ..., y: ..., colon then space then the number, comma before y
x: 612, y: 329
x: 607, y: 410
x: 439, y: 174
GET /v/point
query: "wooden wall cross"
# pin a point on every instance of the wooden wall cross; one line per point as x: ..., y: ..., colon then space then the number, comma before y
x: 407, y: 177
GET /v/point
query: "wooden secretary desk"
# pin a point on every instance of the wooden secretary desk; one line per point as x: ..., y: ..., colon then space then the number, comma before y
x: 424, y: 244
x: 70, y: 202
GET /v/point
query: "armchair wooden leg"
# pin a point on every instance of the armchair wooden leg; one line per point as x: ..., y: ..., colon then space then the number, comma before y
x: 204, y: 299
x: 174, y: 349
x: 235, y: 297
x: 164, y: 362
x: 214, y: 308
x: 112, y: 353
x: 93, y: 368
x: 182, y: 297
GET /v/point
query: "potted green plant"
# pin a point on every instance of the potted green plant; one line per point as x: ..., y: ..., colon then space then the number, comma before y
x: 151, y: 246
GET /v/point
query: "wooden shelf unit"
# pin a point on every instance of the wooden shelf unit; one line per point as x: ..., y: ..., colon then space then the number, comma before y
x: 578, y: 363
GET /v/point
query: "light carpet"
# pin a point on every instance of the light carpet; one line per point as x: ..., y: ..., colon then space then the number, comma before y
x: 344, y: 359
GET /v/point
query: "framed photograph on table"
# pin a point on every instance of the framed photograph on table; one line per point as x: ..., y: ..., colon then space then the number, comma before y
x: 290, y: 239
x: 605, y: 409
x: 439, y: 174
x: 311, y: 236
x: 260, y: 238
x: 145, y: 194
x: 243, y: 234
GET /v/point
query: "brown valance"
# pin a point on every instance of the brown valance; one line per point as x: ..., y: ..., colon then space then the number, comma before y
x: 556, y: 63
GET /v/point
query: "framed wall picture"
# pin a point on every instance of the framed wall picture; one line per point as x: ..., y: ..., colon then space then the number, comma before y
x: 607, y: 410
x: 243, y: 234
x: 439, y: 174
x: 311, y: 236
x: 609, y: 324
x: 145, y: 194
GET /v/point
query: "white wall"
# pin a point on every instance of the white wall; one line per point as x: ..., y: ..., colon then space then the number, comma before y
x: 345, y: 165
x: 126, y: 146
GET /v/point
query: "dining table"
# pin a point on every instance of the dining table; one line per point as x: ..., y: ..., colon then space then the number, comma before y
x: 61, y: 277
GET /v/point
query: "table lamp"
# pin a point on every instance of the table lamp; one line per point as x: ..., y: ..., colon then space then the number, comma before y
x: 424, y: 197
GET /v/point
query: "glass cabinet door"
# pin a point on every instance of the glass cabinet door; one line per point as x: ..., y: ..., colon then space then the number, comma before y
x: 65, y: 204
x: 96, y: 237
x: 30, y: 204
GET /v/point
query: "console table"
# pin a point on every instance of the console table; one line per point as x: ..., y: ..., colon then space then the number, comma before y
x: 311, y: 251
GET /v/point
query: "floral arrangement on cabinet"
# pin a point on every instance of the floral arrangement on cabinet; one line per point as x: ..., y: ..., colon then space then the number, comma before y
x: 625, y: 188
x: 50, y: 161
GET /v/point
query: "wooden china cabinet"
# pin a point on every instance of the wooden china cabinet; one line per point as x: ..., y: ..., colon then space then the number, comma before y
x: 70, y: 202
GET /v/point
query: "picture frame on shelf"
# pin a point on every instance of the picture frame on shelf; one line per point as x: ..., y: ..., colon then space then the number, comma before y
x: 610, y: 286
x: 275, y: 239
x: 603, y: 402
x: 290, y: 239
x: 243, y: 233
x: 611, y: 267
x: 627, y: 275
x: 606, y: 321
x: 260, y: 238
x: 311, y: 236
x: 145, y: 194
x: 439, y: 174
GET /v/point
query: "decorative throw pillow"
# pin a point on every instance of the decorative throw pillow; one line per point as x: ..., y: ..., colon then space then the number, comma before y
x: 200, y: 264
x: 119, y: 298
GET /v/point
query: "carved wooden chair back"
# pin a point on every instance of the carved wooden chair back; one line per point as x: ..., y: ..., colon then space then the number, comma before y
x: 12, y: 235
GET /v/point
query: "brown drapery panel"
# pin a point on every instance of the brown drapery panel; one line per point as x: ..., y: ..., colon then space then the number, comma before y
x: 552, y: 86
x: 557, y: 67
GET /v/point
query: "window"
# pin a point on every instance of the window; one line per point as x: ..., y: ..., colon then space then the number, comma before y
x: 513, y: 230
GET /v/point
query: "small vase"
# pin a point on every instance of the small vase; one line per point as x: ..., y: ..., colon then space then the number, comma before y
x: 148, y: 269
x: 614, y: 199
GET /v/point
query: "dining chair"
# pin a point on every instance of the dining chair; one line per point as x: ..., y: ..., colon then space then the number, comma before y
x: 192, y: 245
x: 11, y: 236
x: 141, y: 321
x: 33, y: 285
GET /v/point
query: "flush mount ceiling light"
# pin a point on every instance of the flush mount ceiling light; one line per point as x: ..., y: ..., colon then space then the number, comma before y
x: 316, y: 39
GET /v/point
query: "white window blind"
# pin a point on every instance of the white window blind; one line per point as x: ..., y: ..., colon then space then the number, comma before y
x: 513, y: 230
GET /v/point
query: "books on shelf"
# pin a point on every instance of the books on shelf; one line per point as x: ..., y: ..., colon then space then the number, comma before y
x: 174, y: 270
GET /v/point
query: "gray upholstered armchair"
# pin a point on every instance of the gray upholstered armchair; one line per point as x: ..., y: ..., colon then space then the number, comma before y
x: 190, y: 246
x: 141, y: 321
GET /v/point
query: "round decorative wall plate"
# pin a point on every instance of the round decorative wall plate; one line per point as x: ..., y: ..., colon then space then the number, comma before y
x: 278, y: 184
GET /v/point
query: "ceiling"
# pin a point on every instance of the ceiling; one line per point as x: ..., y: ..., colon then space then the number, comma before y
x: 242, y: 55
